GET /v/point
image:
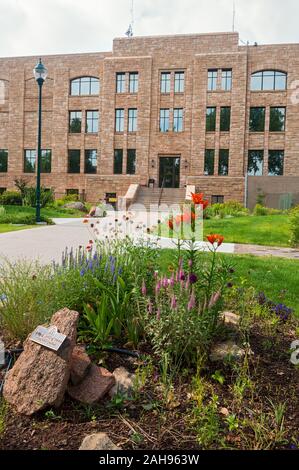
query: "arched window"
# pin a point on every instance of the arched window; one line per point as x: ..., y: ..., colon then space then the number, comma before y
x: 85, y: 86
x: 266, y: 80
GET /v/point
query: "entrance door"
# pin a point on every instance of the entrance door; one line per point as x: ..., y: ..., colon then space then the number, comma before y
x: 169, y: 172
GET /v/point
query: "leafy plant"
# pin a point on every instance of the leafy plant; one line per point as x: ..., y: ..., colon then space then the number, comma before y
x: 11, y: 198
x: 294, y: 227
x: 218, y: 377
x: 99, y: 323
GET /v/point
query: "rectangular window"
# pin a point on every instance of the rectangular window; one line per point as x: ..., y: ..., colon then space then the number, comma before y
x: 120, y: 82
x: 277, y: 119
x: 3, y: 161
x: 223, y: 162
x: 72, y: 192
x: 131, y: 162
x: 257, y: 120
x: 226, y: 79
x: 225, y: 119
x: 133, y: 82
x: 92, y: 122
x: 132, y: 120
x: 211, y: 119
x: 209, y: 162
x: 165, y: 82
x: 217, y: 200
x: 179, y: 82
x: 212, y: 79
x: 255, y: 162
x: 275, y: 162
x: 118, y: 162
x: 74, y: 161
x: 164, y: 120
x: 119, y: 120
x: 178, y: 120
x: 30, y: 161
x: 46, y: 161
x: 90, y: 165
x: 75, y: 122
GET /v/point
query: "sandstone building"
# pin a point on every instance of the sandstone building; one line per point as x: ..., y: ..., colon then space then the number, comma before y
x: 178, y: 110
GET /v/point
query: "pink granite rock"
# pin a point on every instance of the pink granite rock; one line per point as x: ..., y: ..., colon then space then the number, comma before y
x: 94, y: 387
x: 80, y: 364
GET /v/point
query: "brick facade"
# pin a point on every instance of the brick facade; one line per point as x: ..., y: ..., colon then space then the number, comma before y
x: 150, y: 56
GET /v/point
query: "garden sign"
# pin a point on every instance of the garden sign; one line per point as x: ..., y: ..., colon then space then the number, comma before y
x: 48, y: 337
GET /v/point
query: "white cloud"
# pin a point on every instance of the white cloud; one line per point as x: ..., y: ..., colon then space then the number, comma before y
x: 30, y: 27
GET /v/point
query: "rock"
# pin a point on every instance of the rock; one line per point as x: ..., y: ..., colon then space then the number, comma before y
x: 79, y: 206
x: 80, y: 364
x: 226, y: 350
x: 230, y: 318
x: 94, y: 387
x: 98, y: 441
x: 224, y: 412
x: 124, y: 382
x: 40, y: 376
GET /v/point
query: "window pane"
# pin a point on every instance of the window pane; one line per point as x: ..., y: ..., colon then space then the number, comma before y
x: 212, y: 79
x: 119, y: 120
x: 29, y: 161
x: 3, y: 161
x: 75, y: 87
x: 90, y: 165
x: 280, y: 81
x: 277, y: 119
x: 275, y: 162
x: 256, y: 82
x: 132, y: 120
x: 225, y: 119
x: 178, y: 116
x: 179, y: 82
x: 75, y: 122
x: 92, y: 122
x: 268, y: 80
x: 46, y: 161
x: 217, y: 200
x: 118, y: 162
x: 211, y: 119
x: 131, y: 162
x: 164, y: 120
x: 209, y: 162
x: 94, y: 86
x: 74, y: 161
x: 85, y: 86
x: 223, y: 162
x: 255, y: 162
x: 133, y: 82
x: 165, y: 82
x: 226, y: 82
x: 257, y: 120
x: 120, y: 82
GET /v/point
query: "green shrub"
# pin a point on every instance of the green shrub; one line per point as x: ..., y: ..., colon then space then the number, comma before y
x: 46, y: 197
x: 260, y: 210
x: 21, y: 219
x: 2, y: 212
x: 11, y: 198
x: 294, y: 226
x: 225, y: 210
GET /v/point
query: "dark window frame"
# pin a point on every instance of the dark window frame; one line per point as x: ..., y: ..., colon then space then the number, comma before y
x: 72, y: 119
x: 255, y: 163
x: 131, y: 162
x: 179, y: 82
x: 251, y: 119
x: 85, y: 79
x: 226, y: 79
x: 178, y: 120
x: 77, y: 164
x: 3, y: 160
x: 225, y: 121
x: 90, y: 162
x: 32, y: 158
x: 211, y: 120
x: 212, y: 79
x: 119, y: 120
x: 90, y: 119
x: 209, y: 162
x: 271, y: 126
x: 133, y: 82
x: 217, y: 199
x: 120, y: 86
x: 132, y: 120
x: 223, y: 162
x: 271, y: 164
x: 165, y: 83
x: 164, y: 123
x: 118, y: 161
x: 261, y: 74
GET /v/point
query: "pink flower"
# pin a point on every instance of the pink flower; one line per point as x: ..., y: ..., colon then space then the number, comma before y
x: 214, y: 299
x: 165, y: 282
x: 158, y: 314
x: 173, y: 303
x: 190, y: 263
x: 192, y: 301
x: 171, y: 281
x: 143, y: 288
x: 158, y: 287
x: 150, y: 308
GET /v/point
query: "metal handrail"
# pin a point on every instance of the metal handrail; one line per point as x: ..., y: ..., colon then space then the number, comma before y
x: 161, y: 191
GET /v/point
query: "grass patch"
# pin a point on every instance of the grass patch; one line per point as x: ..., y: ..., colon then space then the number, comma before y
x: 271, y: 230
x: 4, y: 228
x: 277, y: 277
x: 47, y: 212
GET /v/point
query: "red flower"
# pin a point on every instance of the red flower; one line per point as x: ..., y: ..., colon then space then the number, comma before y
x: 198, y: 199
x: 89, y: 248
x: 85, y: 221
x: 215, y: 238
x: 91, y: 242
x: 170, y: 224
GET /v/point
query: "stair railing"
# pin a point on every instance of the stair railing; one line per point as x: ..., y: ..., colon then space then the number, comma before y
x: 161, y: 191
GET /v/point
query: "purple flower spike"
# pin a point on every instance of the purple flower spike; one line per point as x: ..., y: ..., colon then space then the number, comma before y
x: 192, y: 302
x: 193, y: 278
x: 173, y: 303
x: 143, y: 288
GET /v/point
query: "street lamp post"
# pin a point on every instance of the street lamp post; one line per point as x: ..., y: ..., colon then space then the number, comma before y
x: 40, y: 74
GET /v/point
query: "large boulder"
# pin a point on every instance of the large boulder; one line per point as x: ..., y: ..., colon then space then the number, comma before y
x: 79, y: 206
x: 40, y: 376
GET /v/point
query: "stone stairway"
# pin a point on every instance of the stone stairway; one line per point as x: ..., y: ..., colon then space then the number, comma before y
x: 150, y: 196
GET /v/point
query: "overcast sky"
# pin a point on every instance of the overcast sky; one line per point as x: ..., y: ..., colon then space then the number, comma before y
x: 30, y: 27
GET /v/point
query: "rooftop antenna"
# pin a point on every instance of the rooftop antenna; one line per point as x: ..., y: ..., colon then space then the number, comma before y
x: 130, y: 32
x: 234, y: 16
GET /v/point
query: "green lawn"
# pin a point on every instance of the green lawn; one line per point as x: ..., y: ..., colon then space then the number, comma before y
x: 46, y: 212
x: 12, y: 228
x: 271, y: 230
x: 277, y: 277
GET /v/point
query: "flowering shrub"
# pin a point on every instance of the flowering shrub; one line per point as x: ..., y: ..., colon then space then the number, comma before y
x: 225, y: 210
x: 183, y: 312
x: 281, y: 311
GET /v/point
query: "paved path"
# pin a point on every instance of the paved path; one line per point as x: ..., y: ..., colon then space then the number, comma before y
x: 48, y: 243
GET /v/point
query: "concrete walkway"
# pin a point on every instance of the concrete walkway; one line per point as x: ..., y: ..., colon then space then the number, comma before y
x: 48, y: 243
